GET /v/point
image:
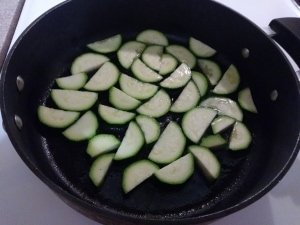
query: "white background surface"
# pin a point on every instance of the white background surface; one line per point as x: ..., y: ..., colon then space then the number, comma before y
x: 25, y: 200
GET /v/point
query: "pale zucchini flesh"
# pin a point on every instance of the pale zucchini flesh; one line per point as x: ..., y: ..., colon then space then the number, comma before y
x: 201, y: 82
x: 137, y: 89
x: 240, y: 137
x: 121, y: 100
x: 129, y: 52
x: 99, y: 168
x: 246, y: 101
x: 137, y: 173
x: 169, y: 146
x: 152, y: 56
x: 201, y: 49
x: 168, y: 64
x: 132, y: 142
x: 213, y: 141
x: 156, y: 106
x: 87, y: 62
x: 102, y: 143
x: 229, y: 82
x: 221, y: 123
x: 152, y: 37
x: 114, y: 116
x: 84, y: 128
x: 107, y: 45
x: 104, y: 78
x: 56, y: 118
x: 182, y: 54
x: 150, y: 128
x: 73, y: 82
x: 144, y: 73
x: 73, y: 100
x: 177, y: 172
x: 211, y: 70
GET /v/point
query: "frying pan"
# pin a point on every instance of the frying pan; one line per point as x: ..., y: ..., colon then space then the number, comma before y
x: 45, y: 51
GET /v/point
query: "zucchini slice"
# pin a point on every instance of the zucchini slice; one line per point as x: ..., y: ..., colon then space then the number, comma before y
x: 229, y: 82
x: 144, y: 73
x: 137, y: 173
x: 178, y: 78
x: 114, y: 116
x: 100, y: 168
x: 84, y: 128
x: 221, y: 123
x: 107, y: 45
x: 224, y: 106
x: 121, y: 100
x: 177, y: 172
x: 168, y: 64
x: 136, y: 88
x: 129, y: 52
x: 207, y: 161
x: 213, y: 141
x: 201, y: 82
x: 56, y: 118
x: 211, y: 70
x: 188, y: 99
x: 73, y: 100
x: 152, y: 56
x: 201, y: 49
x: 73, y: 82
x: 132, y: 142
x: 87, y: 62
x: 246, y: 101
x: 152, y: 37
x: 104, y: 78
x: 240, y: 137
x: 196, y: 121
x: 150, y: 128
x: 156, y: 106
x: 169, y: 146
x: 182, y: 54
x: 102, y: 143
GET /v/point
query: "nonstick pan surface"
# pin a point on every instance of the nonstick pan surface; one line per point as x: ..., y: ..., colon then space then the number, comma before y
x: 46, y: 50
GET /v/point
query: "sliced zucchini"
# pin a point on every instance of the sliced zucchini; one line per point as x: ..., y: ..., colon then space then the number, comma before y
x: 73, y: 82
x: 240, y: 137
x: 73, y: 100
x: 132, y: 142
x: 168, y: 64
x: 178, y: 78
x: 152, y: 37
x: 107, y: 45
x: 246, y: 101
x: 196, y: 121
x: 150, y: 128
x: 156, y: 106
x: 137, y: 173
x: 177, y: 172
x: 229, y: 82
x: 182, y: 54
x: 56, y: 118
x: 114, y: 116
x: 188, y: 99
x: 104, y: 78
x: 87, y: 62
x: 102, y: 143
x: 100, y: 168
x: 144, y: 73
x: 136, y: 88
x: 213, y: 141
x: 224, y: 106
x: 207, y: 161
x: 201, y: 82
x: 121, y: 100
x: 211, y: 70
x: 152, y: 56
x: 201, y: 49
x: 129, y: 52
x: 84, y: 128
x: 169, y: 146
x: 221, y: 123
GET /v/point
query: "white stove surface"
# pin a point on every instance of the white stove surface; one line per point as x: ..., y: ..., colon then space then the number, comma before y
x: 25, y: 200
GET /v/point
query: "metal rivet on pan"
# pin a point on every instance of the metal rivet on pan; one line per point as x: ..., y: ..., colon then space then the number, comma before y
x: 245, y: 52
x: 20, y: 83
x: 274, y: 95
x: 18, y: 122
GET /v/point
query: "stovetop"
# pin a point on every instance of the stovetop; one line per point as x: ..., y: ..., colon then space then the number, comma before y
x: 25, y: 200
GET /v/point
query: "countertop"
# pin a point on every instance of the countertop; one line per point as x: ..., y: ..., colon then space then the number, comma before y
x: 25, y: 200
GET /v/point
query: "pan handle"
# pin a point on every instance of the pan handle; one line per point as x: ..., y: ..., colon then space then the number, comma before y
x: 287, y: 34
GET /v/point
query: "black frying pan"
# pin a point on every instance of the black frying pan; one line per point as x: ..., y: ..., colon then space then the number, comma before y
x: 45, y: 51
